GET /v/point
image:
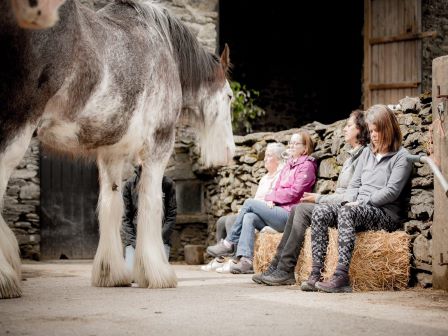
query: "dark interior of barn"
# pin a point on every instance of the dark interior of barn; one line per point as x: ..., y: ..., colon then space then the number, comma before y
x: 305, y: 58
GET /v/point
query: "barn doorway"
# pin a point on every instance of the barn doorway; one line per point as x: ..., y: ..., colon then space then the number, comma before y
x: 69, y: 196
x: 302, y: 74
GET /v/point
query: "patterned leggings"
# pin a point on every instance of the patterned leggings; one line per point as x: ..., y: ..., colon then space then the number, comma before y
x: 349, y: 220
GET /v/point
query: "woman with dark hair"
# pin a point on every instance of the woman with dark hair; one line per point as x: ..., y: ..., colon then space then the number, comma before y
x: 281, y: 270
x: 373, y: 200
x: 297, y: 177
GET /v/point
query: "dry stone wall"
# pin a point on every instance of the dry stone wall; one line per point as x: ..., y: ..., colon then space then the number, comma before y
x: 21, y: 203
x: 238, y: 181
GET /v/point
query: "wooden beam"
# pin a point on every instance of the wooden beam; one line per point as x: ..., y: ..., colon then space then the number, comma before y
x: 385, y: 86
x: 402, y: 37
x: 367, y: 57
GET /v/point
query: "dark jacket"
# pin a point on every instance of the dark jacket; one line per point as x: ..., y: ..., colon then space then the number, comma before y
x: 130, y: 197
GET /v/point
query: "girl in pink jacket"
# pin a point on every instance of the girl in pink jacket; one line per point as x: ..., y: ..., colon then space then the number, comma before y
x: 297, y: 176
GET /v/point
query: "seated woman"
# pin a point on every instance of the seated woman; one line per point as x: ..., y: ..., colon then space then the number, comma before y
x: 281, y: 269
x: 297, y: 176
x: 273, y: 162
x: 373, y: 200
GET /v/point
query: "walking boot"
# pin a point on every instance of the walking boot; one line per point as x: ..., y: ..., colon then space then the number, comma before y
x: 257, y: 277
x: 315, y: 276
x: 279, y: 278
x: 339, y: 282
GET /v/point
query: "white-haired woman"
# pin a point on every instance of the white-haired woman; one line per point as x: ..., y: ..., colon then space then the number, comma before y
x: 297, y: 176
x: 273, y: 162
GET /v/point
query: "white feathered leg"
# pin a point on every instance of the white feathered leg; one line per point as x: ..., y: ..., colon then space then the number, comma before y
x: 10, y: 267
x: 151, y: 267
x: 109, y: 268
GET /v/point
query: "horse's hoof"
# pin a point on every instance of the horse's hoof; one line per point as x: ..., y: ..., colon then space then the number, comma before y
x: 104, y: 276
x: 9, y: 286
x: 162, y: 276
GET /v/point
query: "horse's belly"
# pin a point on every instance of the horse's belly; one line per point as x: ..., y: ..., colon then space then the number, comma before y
x: 58, y: 134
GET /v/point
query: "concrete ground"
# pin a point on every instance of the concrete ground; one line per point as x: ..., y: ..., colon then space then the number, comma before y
x: 58, y: 300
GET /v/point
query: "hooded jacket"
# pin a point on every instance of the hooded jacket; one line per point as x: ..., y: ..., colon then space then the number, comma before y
x: 130, y: 198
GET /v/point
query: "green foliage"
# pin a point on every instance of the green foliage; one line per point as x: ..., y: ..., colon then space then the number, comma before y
x: 244, y: 110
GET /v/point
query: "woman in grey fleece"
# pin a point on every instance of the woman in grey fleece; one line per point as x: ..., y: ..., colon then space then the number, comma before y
x: 281, y: 270
x: 372, y: 201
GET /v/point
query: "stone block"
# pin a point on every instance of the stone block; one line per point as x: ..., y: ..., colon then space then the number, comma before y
x: 194, y: 254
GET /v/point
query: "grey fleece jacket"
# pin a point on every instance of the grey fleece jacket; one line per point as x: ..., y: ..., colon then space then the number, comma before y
x: 381, y: 183
x: 345, y: 176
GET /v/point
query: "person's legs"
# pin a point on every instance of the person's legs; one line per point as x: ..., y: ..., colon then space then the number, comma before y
x: 356, y: 219
x: 230, y: 221
x: 292, y: 242
x: 351, y: 220
x: 322, y: 218
x: 221, y: 228
x: 275, y: 217
x: 234, y: 235
x: 129, y: 253
x: 257, y: 278
x: 227, y: 246
x: 247, y: 239
x: 167, y: 251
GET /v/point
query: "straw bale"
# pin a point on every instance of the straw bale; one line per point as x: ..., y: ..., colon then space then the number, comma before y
x: 381, y: 260
x: 264, y: 250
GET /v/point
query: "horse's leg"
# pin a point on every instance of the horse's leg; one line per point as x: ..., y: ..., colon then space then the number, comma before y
x: 109, y: 268
x: 151, y: 267
x: 10, y: 268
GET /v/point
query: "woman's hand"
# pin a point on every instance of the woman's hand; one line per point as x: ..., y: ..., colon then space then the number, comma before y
x: 351, y: 204
x: 309, y: 197
x: 270, y: 204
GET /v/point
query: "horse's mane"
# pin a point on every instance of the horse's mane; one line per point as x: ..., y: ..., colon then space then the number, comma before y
x: 196, y: 65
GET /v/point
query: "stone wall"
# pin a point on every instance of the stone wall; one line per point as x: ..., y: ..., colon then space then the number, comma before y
x: 239, y: 180
x: 434, y: 18
x: 21, y: 204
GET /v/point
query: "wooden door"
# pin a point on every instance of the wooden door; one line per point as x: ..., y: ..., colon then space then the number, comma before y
x: 69, y: 194
x: 392, y: 50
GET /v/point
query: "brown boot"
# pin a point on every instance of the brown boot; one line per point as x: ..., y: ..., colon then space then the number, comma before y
x: 339, y: 282
x: 315, y: 276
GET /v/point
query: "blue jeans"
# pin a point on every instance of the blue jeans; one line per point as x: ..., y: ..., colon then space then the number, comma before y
x: 254, y: 215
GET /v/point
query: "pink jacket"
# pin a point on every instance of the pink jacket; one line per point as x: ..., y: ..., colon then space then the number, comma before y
x: 297, y: 176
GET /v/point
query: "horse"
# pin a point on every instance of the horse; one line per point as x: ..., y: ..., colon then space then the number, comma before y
x: 108, y: 86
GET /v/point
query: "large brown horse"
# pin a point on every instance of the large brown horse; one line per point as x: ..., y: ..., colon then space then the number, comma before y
x: 107, y: 85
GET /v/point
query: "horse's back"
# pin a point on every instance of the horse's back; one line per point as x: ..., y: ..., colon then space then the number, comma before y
x: 121, y: 69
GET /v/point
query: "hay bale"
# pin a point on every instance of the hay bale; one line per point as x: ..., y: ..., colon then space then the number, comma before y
x: 381, y: 260
x: 264, y: 250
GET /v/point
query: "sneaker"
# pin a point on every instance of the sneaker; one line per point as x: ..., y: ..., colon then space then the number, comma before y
x: 225, y: 268
x: 257, y: 277
x: 279, y: 278
x: 339, y: 283
x: 310, y: 284
x: 242, y: 267
x: 221, y: 250
x: 213, y: 265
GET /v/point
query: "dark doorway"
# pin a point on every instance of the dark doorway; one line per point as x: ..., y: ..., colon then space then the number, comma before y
x: 69, y: 195
x: 305, y: 58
